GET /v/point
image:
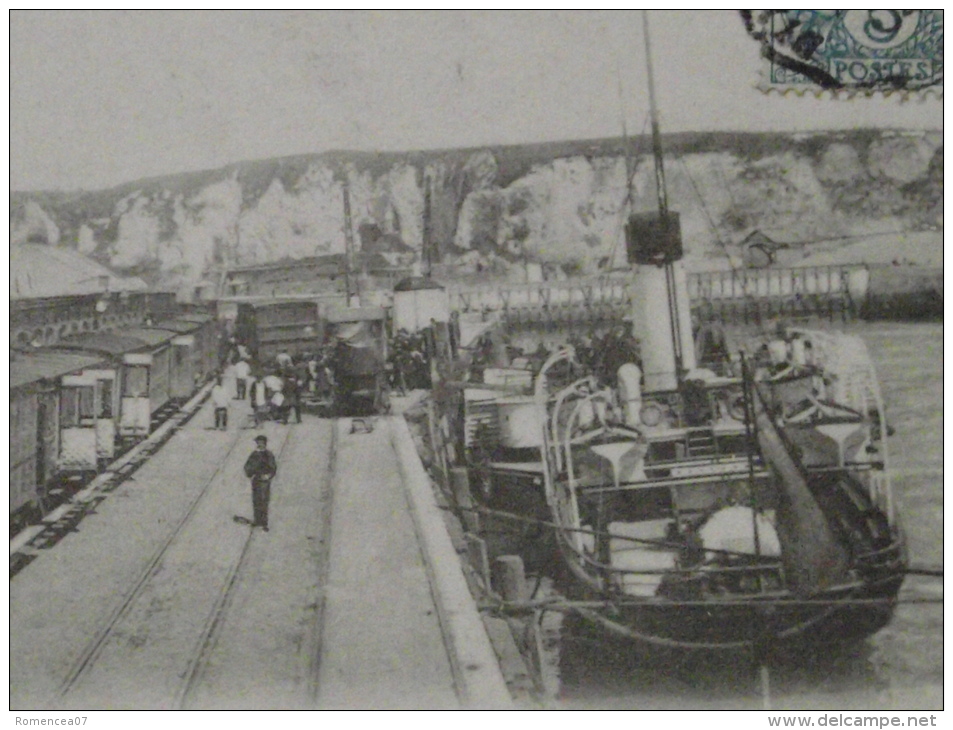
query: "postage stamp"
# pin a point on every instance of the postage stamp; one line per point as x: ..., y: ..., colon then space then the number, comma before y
x: 860, y: 50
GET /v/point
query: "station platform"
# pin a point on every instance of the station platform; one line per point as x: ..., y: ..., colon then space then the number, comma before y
x: 166, y: 597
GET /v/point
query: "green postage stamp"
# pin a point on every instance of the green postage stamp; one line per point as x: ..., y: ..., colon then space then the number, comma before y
x: 853, y: 50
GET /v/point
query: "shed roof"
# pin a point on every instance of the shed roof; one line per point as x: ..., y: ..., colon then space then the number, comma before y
x: 31, y: 367
x: 194, y: 317
x: 150, y: 335
x: 105, y: 342
x: 38, y: 270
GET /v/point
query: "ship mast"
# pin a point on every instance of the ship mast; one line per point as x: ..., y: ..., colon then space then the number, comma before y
x: 653, y: 115
x: 663, y: 202
x: 348, y: 242
x: 428, y: 230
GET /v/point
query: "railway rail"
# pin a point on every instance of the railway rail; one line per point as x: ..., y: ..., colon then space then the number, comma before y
x: 335, y: 607
x: 139, y: 604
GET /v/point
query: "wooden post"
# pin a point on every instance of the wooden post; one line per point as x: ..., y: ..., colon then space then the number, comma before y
x: 460, y: 484
x: 510, y: 578
x: 438, y: 465
x: 479, y: 558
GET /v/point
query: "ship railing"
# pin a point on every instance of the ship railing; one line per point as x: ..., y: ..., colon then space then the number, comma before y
x: 676, y: 481
x: 850, y: 375
x: 699, y: 570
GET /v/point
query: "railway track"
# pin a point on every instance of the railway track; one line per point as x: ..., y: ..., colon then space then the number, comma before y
x: 212, y: 615
x: 120, y: 630
x: 211, y: 676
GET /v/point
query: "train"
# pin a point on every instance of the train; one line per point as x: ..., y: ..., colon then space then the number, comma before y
x: 79, y: 403
x: 76, y: 404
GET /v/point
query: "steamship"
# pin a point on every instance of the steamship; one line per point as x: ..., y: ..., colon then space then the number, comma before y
x: 702, y: 500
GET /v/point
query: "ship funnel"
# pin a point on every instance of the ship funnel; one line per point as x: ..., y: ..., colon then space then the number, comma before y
x: 653, y: 238
x: 661, y: 310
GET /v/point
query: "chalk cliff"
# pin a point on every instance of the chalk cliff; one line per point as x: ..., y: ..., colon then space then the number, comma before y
x: 560, y: 204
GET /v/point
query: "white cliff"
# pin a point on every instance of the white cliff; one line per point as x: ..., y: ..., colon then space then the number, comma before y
x: 562, y: 206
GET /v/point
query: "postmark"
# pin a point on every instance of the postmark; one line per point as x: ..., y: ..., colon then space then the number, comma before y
x: 866, y: 51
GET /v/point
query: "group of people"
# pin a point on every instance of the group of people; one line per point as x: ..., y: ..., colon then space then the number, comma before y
x: 409, y: 363
x: 605, y: 354
x: 275, y: 392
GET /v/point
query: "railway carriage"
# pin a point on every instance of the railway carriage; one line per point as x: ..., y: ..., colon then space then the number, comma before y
x: 147, y: 380
x: 193, y: 354
x: 208, y: 336
x: 71, y: 404
x: 101, y: 385
x: 47, y: 427
x: 137, y: 376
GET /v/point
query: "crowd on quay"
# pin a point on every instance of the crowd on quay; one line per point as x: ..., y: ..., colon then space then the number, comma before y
x: 276, y: 388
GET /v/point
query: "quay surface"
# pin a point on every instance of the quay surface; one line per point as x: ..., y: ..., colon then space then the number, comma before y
x: 165, y: 598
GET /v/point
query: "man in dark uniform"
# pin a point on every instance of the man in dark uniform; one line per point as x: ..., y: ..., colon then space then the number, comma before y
x: 261, y: 468
x: 293, y: 403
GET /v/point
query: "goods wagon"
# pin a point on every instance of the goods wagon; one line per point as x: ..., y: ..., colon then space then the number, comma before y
x: 269, y: 328
x: 358, y: 360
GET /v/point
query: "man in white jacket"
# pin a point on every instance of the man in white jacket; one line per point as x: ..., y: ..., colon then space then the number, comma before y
x: 242, y: 370
x: 220, y: 401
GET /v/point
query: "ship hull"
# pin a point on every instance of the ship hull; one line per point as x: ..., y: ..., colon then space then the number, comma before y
x: 786, y: 622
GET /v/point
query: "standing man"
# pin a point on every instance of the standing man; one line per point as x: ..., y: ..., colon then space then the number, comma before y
x: 220, y: 401
x: 293, y: 404
x: 259, y: 401
x: 242, y: 371
x: 284, y: 362
x: 261, y: 468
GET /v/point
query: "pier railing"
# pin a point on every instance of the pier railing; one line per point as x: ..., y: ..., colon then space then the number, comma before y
x: 542, y: 295
x: 715, y: 295
x: 778, y: 283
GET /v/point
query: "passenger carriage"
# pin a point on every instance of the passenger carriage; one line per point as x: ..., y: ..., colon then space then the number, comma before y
x: 53, y: 426
x: 147, y: 379
x: 207, y: 335
x: 192, y: 358
x: 137, y: 378
x: 101, y: 385
x: 72, y: 403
